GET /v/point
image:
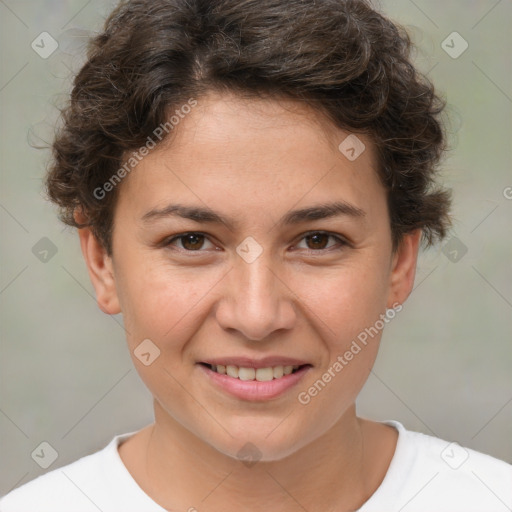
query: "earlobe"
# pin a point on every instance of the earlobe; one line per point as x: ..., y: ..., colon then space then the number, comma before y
x: 99, y: 266
x: 403, y: 268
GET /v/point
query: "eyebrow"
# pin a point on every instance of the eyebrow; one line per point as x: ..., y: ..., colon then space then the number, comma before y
x: 207, y: 215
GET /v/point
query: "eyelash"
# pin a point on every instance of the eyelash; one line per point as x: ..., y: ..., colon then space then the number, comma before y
x: 341, y: 242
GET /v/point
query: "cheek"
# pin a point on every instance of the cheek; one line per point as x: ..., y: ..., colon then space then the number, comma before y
x: 347, y: 312
x: 344, y: 301
x: 162, y: 303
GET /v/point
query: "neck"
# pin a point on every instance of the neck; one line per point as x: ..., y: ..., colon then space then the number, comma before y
x: 337, y: 471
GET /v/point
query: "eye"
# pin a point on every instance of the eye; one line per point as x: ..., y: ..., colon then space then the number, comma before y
x: 317, y: 240
x: 190, y: 242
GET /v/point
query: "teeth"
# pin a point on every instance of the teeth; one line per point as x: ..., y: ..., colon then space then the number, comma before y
x: 263, y: 374
x: 232, y: 371
x: 278, y: 372
x: 246, y: 373
x: 259, y: 374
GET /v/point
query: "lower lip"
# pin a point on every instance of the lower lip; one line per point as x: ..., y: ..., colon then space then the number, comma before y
x: 255, y: 390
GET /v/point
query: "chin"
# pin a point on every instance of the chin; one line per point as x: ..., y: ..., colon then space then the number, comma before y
x: 250, y: 443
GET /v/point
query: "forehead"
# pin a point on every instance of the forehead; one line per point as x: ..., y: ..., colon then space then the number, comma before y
x: 255, y: 155
x: 249, y: 125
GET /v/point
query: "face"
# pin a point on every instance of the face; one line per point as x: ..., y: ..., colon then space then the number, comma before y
x: 279, y: 256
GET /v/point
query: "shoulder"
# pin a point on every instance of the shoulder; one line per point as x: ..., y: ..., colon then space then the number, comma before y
x: 82, y: 483
x: 431, y: 473
x: 456, y: 463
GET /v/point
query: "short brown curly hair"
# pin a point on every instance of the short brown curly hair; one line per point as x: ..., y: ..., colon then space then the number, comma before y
x: 341, y: 57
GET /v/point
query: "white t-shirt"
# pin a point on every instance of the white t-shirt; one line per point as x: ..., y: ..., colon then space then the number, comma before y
x: 426, y: 474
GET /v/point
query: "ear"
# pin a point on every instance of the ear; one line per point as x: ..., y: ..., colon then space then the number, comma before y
x: 403, y: 268
x: 99, y: 266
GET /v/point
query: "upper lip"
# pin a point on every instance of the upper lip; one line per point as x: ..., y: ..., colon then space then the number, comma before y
x: 250, y: 362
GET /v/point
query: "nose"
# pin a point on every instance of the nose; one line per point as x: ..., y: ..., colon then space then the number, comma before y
x: 256, y: 300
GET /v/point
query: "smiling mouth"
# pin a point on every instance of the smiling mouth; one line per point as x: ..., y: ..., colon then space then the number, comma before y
x: 257, y: 374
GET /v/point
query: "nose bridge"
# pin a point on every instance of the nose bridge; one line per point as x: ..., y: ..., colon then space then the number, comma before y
x: 257, y: 291
x: 256, y: 301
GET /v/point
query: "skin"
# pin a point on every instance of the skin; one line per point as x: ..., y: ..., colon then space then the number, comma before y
x: 253, y: 160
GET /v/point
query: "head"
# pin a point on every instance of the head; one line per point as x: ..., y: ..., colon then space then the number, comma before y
x: 251, y: 180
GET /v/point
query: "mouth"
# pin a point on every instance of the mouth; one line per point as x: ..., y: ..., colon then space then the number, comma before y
x: 247, y: 373
x: 254, y: 381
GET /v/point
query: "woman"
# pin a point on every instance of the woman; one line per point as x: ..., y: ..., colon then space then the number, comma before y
x: 252, y: 181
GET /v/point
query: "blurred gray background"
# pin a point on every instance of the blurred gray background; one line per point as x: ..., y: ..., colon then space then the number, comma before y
x: 445, y: 365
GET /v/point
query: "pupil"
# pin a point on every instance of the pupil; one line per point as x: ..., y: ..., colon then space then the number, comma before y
x: 194, y: 239
x: 316, y: 237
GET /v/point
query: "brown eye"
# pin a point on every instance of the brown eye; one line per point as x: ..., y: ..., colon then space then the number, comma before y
x: 192, y: 242
x: 317, y: 241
